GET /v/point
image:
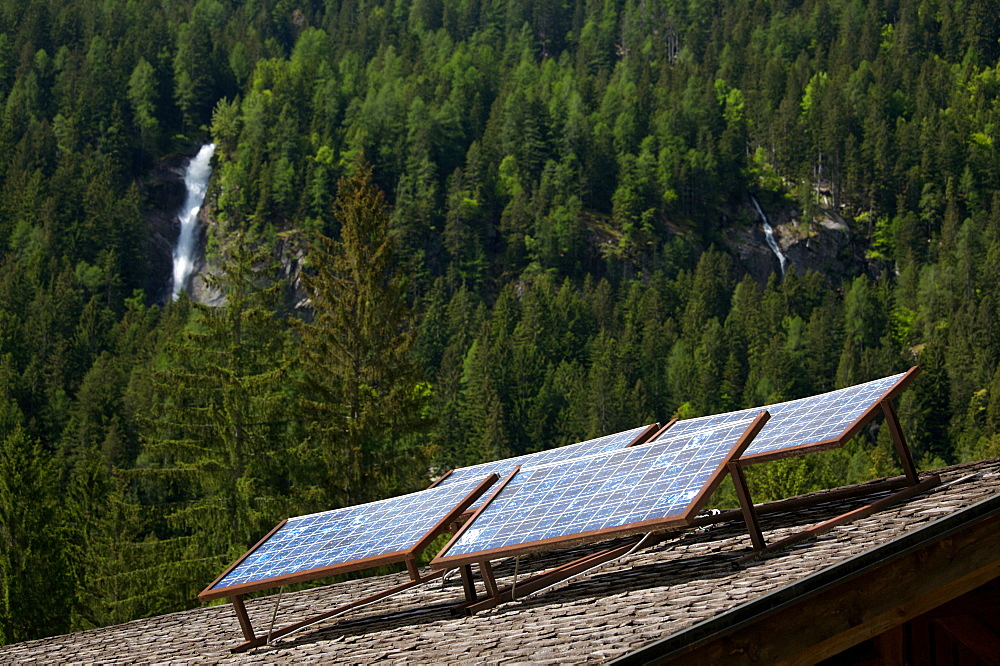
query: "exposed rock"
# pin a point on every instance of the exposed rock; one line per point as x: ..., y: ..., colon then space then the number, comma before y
x: 165, y: 192
x: 750, y: 247
x: 823, y: 245
x: 290, y: 250
x: 198, y: 287
x: 293, y: 252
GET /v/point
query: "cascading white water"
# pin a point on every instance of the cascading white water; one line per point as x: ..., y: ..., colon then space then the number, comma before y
x: 772, y: 242
x: 196, y: 176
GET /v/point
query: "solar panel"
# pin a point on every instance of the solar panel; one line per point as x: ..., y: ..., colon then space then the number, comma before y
x: 602, y: 495
x: 348, y: 539
x: 813, y: 423
x: 504, y: 467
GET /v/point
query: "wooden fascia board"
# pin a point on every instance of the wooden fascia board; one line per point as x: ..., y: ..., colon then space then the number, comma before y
x: 847, y: 603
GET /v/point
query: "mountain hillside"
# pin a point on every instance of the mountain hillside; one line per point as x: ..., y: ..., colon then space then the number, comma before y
x: 444, y: 231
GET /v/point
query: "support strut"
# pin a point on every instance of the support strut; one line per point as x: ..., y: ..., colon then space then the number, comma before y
x: 256, y: 641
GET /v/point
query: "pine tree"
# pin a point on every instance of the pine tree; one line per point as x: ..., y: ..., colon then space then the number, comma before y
x: 219, y: 427
x: 363, y: 397
x: 33, y: 589
x: 121, y: 571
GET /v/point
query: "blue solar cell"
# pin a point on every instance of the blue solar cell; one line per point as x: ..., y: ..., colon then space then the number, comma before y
x: 800, y: 422
x: 349, y: 535
x: 601, y: 491
x: 504, y: 467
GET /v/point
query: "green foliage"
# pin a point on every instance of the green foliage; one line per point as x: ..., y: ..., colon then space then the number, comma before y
x: 551, y: 258
x: 361, y: 391
x: 218, y: 431
x: 32, y: 563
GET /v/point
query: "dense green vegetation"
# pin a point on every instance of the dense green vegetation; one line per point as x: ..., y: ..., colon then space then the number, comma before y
x: 547, y: 263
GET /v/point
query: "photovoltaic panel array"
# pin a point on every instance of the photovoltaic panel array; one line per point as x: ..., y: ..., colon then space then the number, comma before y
x: 347, y: 539
x: 815, y: 420
x: 599, y: 496
x: 504, y: 467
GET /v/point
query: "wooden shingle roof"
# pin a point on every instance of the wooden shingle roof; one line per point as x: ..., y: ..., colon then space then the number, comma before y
x: 671, y: 590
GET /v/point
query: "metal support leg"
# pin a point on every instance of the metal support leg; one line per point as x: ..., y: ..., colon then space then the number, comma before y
x: 486, y: 571
x: 243, y: 617
x: 253, y: 641
x: 856, y: 514
x: 468, y: 583
x: 746, y: 505
x: 411, y: 567
x: 548, y: 578
x: 905, y: 457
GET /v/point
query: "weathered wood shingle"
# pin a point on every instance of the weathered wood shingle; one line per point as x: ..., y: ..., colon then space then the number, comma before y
x: 602, y: 615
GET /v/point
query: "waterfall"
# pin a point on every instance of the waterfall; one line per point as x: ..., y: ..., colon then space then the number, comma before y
x: 772, y: 242
x: 196, y: 176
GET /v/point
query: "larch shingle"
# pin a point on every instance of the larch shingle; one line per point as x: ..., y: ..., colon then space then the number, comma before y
x: 596, y: 617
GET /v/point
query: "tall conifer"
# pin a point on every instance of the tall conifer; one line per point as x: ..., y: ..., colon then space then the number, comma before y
x: 33, y: 586
x: 219, y: 429
x: 363, y: 397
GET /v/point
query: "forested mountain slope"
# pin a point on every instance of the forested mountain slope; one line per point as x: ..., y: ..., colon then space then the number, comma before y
x: 537, y: 255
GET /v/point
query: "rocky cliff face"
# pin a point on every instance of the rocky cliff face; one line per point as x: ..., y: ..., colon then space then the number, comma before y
x: 199, y: 289
x: 165, y: 193
x: 289, y: 249
x: 823, y: 244
x: 164, y: 189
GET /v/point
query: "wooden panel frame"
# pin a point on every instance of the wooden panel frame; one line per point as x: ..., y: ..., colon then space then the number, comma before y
x: 735, y: 466
x: 836, y: 442
x: 646, y: 435
x: 442, y: 526
x: 682, y: 519
x: 649, y: 432
x: 440, y: 479
x: 911, y: 477
x: 563, y: 572
x: 655, y: 434
x: 245, y: 555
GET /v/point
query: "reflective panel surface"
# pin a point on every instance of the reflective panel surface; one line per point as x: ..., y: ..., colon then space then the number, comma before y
x: 349, y: 534
x: 601, y: 491
x: 503, y: 468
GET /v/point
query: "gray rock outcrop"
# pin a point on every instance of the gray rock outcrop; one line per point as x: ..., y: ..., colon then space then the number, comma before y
x: 824, y: 244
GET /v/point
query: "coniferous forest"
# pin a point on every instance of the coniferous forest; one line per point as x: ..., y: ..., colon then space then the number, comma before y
x: 447, y: 231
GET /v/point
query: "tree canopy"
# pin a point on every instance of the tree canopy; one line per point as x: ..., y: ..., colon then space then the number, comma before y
x: 447, y: 231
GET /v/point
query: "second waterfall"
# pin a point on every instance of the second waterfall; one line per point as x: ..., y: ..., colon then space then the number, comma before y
x: 772, y: 242
x: 196, y: 176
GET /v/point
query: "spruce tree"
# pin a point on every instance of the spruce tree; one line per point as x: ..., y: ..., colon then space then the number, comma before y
x: 121, y: 570
x: 219, y: 430
x: 33, y: 585
x: 363, y: 397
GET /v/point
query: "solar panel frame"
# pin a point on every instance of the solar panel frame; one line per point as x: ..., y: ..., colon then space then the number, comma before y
x: 642, y: 435
x: 438, y: 481
x: 828, y: 443
x: 403, y: 555
x: 682, y: 519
